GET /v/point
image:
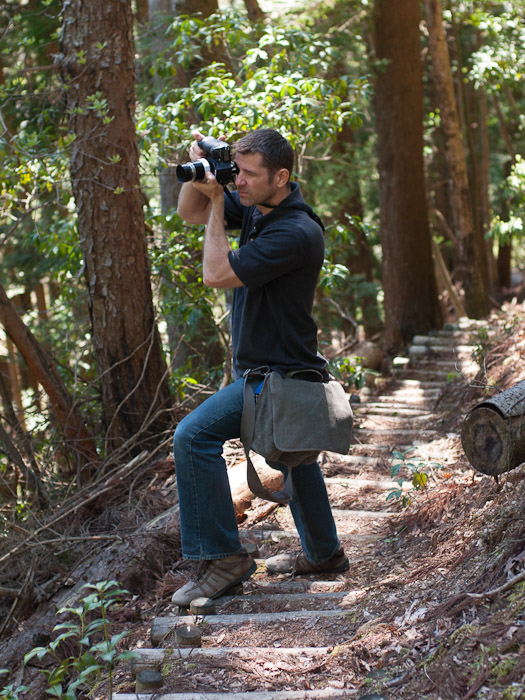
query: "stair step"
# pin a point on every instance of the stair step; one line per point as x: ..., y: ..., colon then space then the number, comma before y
x: 276, y: 535
x: 154, y: 658
x: 383, y: 432
x: 294, y: 599
x: 318, y: 694
x: 351, y: 483
x: 394, y: 410
x: 161, y: 627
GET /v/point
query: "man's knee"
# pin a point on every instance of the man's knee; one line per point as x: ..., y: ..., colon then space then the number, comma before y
x: 183, y: 435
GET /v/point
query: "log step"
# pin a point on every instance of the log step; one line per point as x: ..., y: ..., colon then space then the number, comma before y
x: 161, y: 627
x: 154, y: 658
x: 319, y: 694
x: 277, y: 535
x: 393, y: 410
x: 351, y: 484
x: 295, y: 600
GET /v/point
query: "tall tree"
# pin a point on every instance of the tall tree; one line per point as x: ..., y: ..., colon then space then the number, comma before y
x: 411, y: 302
x: 96, y: 61
x: 473, y: 259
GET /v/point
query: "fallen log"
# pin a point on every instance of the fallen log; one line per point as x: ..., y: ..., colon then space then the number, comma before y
x: 493, y: 432
x: 271, y: 479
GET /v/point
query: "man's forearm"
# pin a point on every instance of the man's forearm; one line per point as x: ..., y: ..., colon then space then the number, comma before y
x: 216, y: 268
x: 193, y: 206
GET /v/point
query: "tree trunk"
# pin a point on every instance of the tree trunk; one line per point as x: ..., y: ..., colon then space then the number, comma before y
x: 471, y: 253
x: 97, y: 66
x: 360, y: 260
x: 408, y: 271
x: 492, y: 434
x: 77, y: 437
x: 255, y: 14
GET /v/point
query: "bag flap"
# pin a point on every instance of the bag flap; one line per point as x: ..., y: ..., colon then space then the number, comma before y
x: 310, y: 416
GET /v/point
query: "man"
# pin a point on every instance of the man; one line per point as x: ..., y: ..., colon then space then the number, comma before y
x: 274, y: 273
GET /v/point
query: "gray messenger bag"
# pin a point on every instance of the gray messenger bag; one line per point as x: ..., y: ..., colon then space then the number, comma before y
x: 290, y: 421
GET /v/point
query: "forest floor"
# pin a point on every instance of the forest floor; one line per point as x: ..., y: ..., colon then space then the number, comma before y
x: 432, y: 607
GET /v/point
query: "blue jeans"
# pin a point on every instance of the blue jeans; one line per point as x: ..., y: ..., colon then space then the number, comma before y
x: 208, y: 522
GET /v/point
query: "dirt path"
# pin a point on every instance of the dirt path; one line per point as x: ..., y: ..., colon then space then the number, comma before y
x: 377, y: 630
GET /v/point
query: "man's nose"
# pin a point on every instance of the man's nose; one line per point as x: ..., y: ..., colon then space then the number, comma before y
x: 239, y: 179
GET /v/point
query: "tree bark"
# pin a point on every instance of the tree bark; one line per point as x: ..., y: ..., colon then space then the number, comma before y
x: 471, y: 253
x: 408, y: 271
x: 78, y: 439
x: 253, y: 9
x: 97, y: 66
x: 360, y: 260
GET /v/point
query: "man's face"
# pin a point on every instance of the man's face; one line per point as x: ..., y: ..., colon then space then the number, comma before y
x: 254, y: 184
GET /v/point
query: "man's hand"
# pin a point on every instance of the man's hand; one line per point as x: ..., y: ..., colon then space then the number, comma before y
x: 195, y: 198
x: 195, y: 151
x: 209, y: 186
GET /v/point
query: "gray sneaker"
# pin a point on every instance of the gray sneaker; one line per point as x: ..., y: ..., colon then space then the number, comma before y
x: 297, y: 563
x: 215, y: 577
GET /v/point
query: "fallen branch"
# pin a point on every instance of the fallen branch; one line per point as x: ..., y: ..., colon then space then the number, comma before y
x: 501, y: 589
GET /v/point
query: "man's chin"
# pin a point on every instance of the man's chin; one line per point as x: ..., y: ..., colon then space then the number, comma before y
x: 245, y: 199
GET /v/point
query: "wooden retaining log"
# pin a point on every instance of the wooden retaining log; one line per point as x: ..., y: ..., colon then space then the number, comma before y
x: 493, y: 432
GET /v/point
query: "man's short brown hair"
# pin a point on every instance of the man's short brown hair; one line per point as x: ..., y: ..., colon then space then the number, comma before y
x: 276, y: 151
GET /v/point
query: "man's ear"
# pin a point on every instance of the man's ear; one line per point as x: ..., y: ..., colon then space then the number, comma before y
x: 282, y: 177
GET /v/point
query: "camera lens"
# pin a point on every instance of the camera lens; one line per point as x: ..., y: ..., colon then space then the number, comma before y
x: 189, y: 172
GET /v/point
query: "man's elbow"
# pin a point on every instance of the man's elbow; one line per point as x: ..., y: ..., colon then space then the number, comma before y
x: 191, y: 216
x: 211, y: 280
x: 227, y: 280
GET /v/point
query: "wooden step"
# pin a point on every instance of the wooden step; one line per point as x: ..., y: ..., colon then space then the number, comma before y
x: 327, y: 693
x: 357, y: 484
x: 393, y: 410
x: 154, y: 658
x: 162, y: 627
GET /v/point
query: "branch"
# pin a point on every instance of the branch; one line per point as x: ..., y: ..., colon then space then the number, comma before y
x: 501, y: 589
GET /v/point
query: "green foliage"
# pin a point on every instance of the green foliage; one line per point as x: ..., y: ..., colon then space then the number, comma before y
x: 501, y: 58
x: 415, y: 468
x: 75, y: 675
x: 347, y: 290
x: 479, y: 353
x: 277, y: 78
x: 349, y: 370
x: 10, y: 692
x: 513, y: 192
x: 198, y: 312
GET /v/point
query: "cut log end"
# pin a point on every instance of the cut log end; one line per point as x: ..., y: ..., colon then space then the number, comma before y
x: 492, y: 443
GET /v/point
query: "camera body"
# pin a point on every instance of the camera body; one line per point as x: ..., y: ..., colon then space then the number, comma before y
x: 218, y: 162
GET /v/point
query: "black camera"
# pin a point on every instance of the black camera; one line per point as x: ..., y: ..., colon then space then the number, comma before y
x: 218, y: 163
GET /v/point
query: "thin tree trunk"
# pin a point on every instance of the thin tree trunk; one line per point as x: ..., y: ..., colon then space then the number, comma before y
x: 360, y: 260
x: 471, y: 254
x: 78, y: 439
